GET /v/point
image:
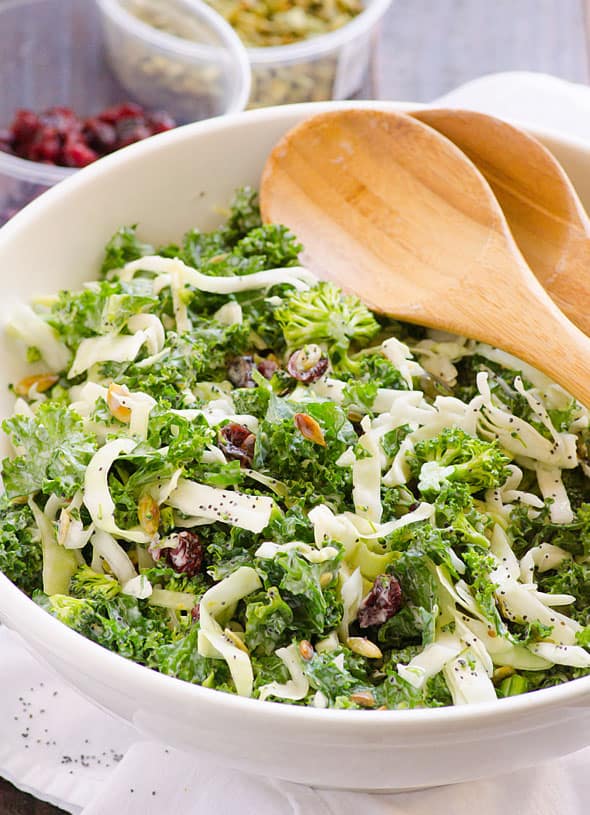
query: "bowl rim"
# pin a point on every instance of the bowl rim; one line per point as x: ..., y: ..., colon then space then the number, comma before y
x: 98, y: 661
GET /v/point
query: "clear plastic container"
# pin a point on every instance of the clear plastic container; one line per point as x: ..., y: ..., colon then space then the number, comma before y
x: 52, y: 53
x: 206, y: 76
x: 328, y: 66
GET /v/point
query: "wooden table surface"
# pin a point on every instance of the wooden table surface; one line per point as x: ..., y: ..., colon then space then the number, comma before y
x: 429, y: 47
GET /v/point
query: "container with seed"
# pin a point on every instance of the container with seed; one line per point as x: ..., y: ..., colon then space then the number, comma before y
x: 299, y: 51
x: 200, y: 73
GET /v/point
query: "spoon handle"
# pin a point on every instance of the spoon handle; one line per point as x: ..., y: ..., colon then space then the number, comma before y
x: 540, y: 334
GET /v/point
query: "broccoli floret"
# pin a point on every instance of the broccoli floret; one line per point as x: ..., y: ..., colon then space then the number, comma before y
x: 75, y: 612
x: 480, y: 564
x: 325, y: 315
x: 456, y: 512
x: 454, y: 455
x: 88, y: 584
x: 167, y: 578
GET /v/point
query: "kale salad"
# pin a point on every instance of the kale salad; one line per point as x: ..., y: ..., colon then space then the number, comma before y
x: 239, y: 476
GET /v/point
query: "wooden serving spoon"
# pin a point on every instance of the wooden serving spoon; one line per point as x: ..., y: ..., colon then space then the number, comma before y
x: 539, y: 201
x: 394, y: 212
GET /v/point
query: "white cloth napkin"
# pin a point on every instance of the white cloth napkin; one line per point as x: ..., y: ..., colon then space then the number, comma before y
x: 64, y: 749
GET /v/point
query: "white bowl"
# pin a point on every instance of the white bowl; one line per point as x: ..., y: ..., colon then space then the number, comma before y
x: 168, y: 184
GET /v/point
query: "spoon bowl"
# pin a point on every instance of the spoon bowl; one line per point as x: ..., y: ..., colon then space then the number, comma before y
x: 394, y: 212
x: 540, y: 203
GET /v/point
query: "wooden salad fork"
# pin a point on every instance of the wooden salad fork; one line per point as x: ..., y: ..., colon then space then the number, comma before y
x: 393, y: 211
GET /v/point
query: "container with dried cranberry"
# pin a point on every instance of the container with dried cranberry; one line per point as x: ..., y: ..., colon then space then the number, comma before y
x: 62, y: 106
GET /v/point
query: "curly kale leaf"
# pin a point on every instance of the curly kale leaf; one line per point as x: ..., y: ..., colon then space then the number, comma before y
x: 129, y: 627
x: 479, y: 565
x: 253, y: 401
x: 337, y: 673
x: 227, y: 549
x: 309, y: 469
x: 500, y: 380
x: 21, y: 557
x: 381, y: 371
x: 572, y: 578
x: 577, y: 485
x: 269, y: 246
x: 358, y: 398
x: 244, y: 215
x: 268, y: 622
x: 556, y: 675
x: 268, y: 669
x: 180, y: 658
x: 410, y: 625
x: 56, y: 451
x: 392, y: 440
x: 526, y: 532
x: 396, y: 693
x: 122, y: 248
x: 173, y: 442
x: 421, y: 547
x: 187, y: 359
x: 100, y: 309
x: 316, y: 608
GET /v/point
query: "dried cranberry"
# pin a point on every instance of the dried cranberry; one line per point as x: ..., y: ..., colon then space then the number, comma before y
x: 125, y: 110
x: 129, y: 131
x: 63, y: 120
x: 239, y: 372
x: 307, y: 364
x: 77, y: 154
x: 383, y: 601
x: 196, y: 613
x: 267, y: 367
x: 25, y: 125
x: 46, y: 147
x: 160, y: 121
x: 99, y: 135
x: 237, y: 442
x: 58, y: 136
x: 187, y: 556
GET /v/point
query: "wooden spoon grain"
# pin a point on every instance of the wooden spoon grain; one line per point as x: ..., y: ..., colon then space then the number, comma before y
x: 540, y: 203
x: 393, y: 211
